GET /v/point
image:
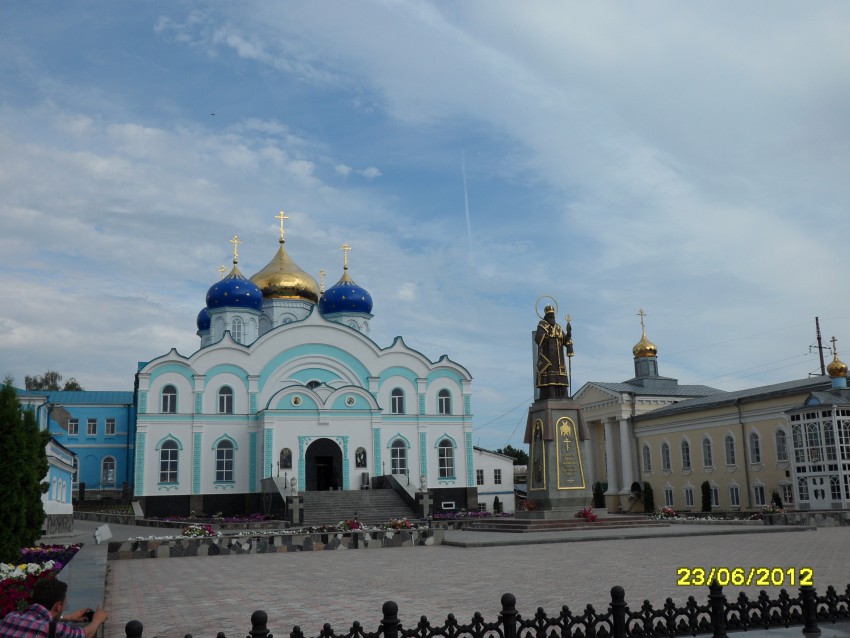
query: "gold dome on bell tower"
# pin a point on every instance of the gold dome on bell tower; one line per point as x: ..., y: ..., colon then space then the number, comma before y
x: 837, y: 368
x: 644, y: 347
x: 281, y: 278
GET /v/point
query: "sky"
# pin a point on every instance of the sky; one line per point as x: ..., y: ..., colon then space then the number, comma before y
x: 690, y: 159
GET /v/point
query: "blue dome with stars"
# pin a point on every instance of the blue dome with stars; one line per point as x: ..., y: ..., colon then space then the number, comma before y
x: 203, y: 320
x: 234, y: 291
x: 345, y: 296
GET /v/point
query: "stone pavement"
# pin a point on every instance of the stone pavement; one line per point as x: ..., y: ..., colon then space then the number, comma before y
x: 204, y: 595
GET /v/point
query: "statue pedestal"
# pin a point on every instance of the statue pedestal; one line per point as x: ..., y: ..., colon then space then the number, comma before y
x: 556, y: 479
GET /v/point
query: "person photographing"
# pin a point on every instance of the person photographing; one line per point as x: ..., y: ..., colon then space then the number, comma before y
x: 46, y: 616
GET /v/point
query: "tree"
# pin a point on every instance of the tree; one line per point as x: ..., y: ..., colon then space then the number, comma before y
x: 648, y: 498
x: 22, y: 448
x: 706, y: 496
x: 49, y: 382
x: 520, y: 457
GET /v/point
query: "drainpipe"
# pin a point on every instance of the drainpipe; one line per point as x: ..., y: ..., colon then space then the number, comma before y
x: 746, y: 462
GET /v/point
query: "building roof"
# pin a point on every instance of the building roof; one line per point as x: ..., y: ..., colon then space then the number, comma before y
x: 82, y: 397
x: 827, y: 397
x: 751, y: 394
x: 657, y: 386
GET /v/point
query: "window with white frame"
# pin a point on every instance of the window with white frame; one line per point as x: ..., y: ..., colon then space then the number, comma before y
x: 482, y: 507
x: 665, y: 457
x: 829, y: 441
x: 73, y: 427
x: 735, y: 496
x: 91, y: 427
x: 444, y: 402
x: 813, y: 439
x: 729, y: 445
x: 225, y: 400
x: 758, y: 494
x: 479, y: 477
x: 237, y: 330
x: 715, y: 495
x: 109, y: 428
x: 107, y: 471
x: 169, y: 400
x: 755, y: 448
x: 668, y: 496
x: 497, y: 476
x: 397, y: 401
x: 398, y: 457
x: 689, y: 496
x: 706, y: 453
x: 787, y: 493
x: 446, y: 457
x: 781, y: 446
x: 168, y: 462
x: 799, y: 445
x: 803, y: 488
x: 686, y: 455
x: 647, y: 458
x: 835, y: 488
x: 76, y: 465
x: 224, y: 461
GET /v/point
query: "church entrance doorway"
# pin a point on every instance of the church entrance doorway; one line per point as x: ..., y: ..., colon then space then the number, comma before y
x: 323, y: 465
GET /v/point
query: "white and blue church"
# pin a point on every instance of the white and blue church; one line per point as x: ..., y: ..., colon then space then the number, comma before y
x: 287, y: 382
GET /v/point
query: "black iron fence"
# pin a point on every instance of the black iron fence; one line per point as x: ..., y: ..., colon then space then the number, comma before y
x: 717, y: 617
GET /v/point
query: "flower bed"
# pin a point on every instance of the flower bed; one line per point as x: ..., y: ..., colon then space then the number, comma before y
x: 267, y: 542
x: 17, y: 581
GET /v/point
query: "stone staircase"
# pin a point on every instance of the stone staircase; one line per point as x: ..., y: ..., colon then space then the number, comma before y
x: 371, y: 506
x: 519, y: 525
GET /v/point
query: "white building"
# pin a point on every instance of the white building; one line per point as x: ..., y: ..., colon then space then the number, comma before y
x: 494, y: 478
x: 287, y: 382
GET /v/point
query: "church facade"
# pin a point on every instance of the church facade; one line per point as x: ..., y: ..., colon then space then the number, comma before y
x: 287, y: 383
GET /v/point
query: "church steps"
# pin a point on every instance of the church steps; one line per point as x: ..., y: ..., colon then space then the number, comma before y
x: 370, y: 506
x: 551, y: 525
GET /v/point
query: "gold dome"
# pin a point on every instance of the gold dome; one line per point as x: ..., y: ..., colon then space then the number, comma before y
x: 645, y: 348
x: 837, y: 368
x: 283, y: 279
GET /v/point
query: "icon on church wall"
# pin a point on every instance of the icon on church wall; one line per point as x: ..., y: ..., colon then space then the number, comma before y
x: 286, y: 459
x: 360, y: 457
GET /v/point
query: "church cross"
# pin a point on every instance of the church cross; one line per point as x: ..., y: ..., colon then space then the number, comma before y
x: 345, y: 248
x: 221, y: 271
x: 834, y: 349
x: 235, y: 241
x: 322, y: 276
x: 281, y: 216
x: 642, y: 315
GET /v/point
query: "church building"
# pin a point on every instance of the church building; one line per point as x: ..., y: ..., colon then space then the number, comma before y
x: 287, y: 383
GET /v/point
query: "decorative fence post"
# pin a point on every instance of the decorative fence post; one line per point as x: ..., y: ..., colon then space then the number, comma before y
x: 390, y: 621
x: 618, y: 611
x: 508, y: 615
x: 133, y: 629
x: 810, y: 611
x: 258, y: 625
x: 717, y: 602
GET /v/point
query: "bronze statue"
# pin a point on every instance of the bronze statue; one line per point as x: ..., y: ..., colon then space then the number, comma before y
x: 552, y: 376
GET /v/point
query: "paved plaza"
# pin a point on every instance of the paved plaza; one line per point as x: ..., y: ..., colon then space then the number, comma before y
x: 204, y: 595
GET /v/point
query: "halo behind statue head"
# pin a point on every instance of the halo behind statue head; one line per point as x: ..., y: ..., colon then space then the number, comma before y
x: 553, y: 303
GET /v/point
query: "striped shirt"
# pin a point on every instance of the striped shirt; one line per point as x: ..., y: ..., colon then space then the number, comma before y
x: 35, y: 623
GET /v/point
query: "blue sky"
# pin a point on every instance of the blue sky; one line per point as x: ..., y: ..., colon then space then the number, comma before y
x: 690, y: 159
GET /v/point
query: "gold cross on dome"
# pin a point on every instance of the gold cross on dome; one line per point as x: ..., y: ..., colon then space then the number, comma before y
x: 281, y: 216
x: 642, y: 315
x: 221, y: 271
x: 834, y: 349
x: 569, y: 318
x: 322, y: 276
x: 235, y: 241
x: 345, y: 248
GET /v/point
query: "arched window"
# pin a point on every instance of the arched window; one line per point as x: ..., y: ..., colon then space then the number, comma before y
x: 447, y: 459
x: 686, y: 455
x: 665, y: 457
x: 237, y: 330
x: 647, y: 458
x: 781, y: 446
x: 444, y: 402
x: 799, y: 444
x: 397, y: 401
x: 829, y: 441
x: 729, y: 444
x: 803, y: 488
x: 813, y: 437
x: 168, y: 462
x: 755, y: 448
x: 225, y: 400
x: 169, y: 399
x: 707, y: 461
x: 224, y: 461
x: 398, y: 457
x: 835, y: 488
x: 107, y: 471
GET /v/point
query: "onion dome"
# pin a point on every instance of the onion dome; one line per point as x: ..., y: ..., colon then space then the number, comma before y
x: 837, y: 368
x: 283, y: 279
x: 345, y: 295
x: 644, y: 347
x: 234, y: 291
x: 203, y: 320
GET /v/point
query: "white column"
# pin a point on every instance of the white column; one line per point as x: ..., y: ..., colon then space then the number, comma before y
x: 626, y: 455
x: 610, y: 457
